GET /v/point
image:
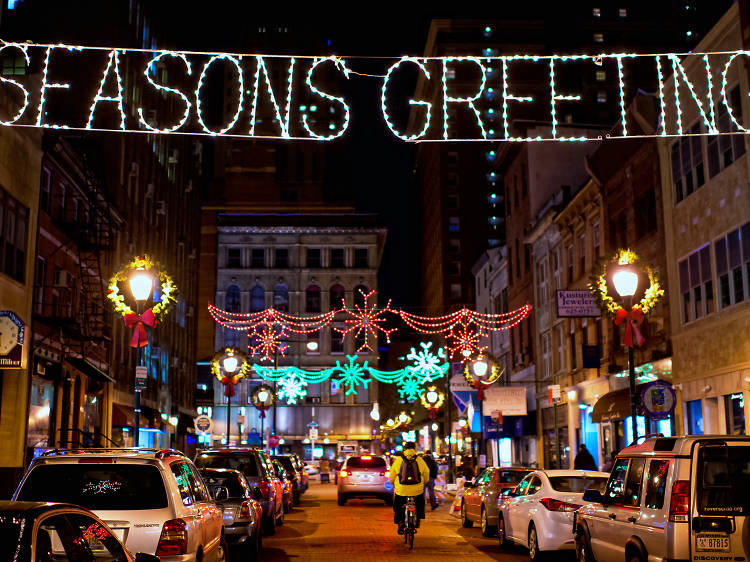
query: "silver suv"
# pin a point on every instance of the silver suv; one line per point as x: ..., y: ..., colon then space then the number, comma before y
x: 671, y: 498
x: 155, y: 501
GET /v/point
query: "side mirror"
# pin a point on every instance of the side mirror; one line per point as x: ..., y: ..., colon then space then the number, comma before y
x: 257, y: 494
x: 144, y: 557
x: 594, y: 496
x: 221, y: 494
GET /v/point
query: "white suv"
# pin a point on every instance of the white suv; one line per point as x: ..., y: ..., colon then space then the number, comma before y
x: 671, y: 498
x: 155, y: 501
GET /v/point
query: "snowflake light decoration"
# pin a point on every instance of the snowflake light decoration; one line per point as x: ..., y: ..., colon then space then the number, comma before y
x: 365, y: 322
x: 426, y: 364
x: 267, y: 340
x: 464, y: 339
x: 292, y: 388
x: 352, y: 374
x: 409, y: 387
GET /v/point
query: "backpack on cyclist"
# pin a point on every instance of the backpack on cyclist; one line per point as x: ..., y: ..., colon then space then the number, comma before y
x: 409, y: 473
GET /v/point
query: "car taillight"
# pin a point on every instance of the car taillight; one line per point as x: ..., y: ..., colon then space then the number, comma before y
x: 366, y: 457
x: 385, y: 473
x: 245, y: 510
x: 680, y: 502
x: 344, y: 473
x: 173, y: 539
x: 556, y: 505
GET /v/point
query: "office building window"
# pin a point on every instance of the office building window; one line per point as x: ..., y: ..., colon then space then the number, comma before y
x: 560, y: 348
x: 570, y: 264
x: 455, y: 290
x: 361, y: 258
x: 687, y: 164
x: 454, y: 224
x: 360, y: 294
x: 45, y: 192
x: 645, y: 218
x: 234, y: 257
x: 257, y: 258
x: 557, y: 268
x: 696, y: 284
x: 281, y: 258
x: 312, y: 299
x: 597, y: 240
x: 336, y: 295
x: 312, y: 346
x: 541, y: 282
x: 313, y: 258
x: 337, y: 338
x: 257, y: 298
x: 337, y: 258
x: 546, y: 357
x: 281, y: 296
x: 13, y: 235
x: 232, y: 300
x: 454, y: 268
x: 733, y: 266
x: 725, y: 149
x: 582, y: 252
x: 454, y: 245
x: 573, y: 357
x: 337, y: 392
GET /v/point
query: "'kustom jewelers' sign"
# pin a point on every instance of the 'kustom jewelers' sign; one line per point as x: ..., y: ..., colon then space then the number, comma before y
x: 576, y: 304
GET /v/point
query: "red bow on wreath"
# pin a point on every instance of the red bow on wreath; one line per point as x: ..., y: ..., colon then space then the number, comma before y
x: 480, y: 386
x: 262, y: 410
x: 433, y: 413
x: 228, y: 383
x: 139, y: 323
x: 632, y: 319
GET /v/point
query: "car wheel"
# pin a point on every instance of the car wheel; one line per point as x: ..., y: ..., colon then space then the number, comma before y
x: 342, y: 500
x: 465, y: 521
x: 634, y: 555
x: 269, y: 524
x: 222, y: 550
x: 280, y: 518
x: 501, y: 536
x: 583, y: 547
x: 534, y: 553
x: 487, y: 529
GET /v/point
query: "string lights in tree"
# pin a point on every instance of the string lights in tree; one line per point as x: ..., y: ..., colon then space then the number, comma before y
x: 365, y: 321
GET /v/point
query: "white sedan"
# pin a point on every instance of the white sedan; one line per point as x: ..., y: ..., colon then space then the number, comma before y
x: 538, y: 514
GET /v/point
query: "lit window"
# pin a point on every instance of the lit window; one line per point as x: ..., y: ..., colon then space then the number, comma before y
x: 601, y: 76
x: 601, y: 96
x: 597, y: 12
x: 623, y: 12
x: 453, y: 224
x: 598, y: 38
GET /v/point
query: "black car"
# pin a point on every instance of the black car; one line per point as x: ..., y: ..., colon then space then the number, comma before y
x: 43, y: 531
x: 292, y: 474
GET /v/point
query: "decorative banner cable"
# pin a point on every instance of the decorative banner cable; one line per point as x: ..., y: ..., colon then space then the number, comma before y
x: 46, y: 94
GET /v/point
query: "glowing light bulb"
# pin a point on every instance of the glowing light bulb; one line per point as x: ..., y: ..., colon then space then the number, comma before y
x: 263, y: 395
x: 461, y: 423
x: 140, y: 284
x: 626, y: 282
x: 434, y: 427
x: 402, y: 418
x: 480, y: 367
x: 312, y: 345
x: 432, y: 397
x: 230, y: 363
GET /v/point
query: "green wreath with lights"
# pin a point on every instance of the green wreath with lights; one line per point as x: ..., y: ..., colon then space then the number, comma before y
x: 168, y: 288
x: 598, y: 284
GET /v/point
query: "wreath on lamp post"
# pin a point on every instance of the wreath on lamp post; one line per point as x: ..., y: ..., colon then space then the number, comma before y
x: 432, y: 399
x: 167, y: 290
x: 229, y: 366
x: 482, y: 378
x: 263, y: 398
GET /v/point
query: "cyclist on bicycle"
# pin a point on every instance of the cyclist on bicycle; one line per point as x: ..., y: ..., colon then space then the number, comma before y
x: 408, y: 474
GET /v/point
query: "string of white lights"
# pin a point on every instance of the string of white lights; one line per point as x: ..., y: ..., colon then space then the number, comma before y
x: 48, y: 85
x: 25, y: 92
x: 240, y: 89
x: 468, y: 101
x: 384, y: 106
x: 342, y: 65
x: 162, y: 88
x: 114, y: 58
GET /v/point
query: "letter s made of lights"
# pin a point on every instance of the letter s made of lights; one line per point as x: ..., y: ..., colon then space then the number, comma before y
x: 342, y: 65
x: 25, y: 93
x: 152, y: 65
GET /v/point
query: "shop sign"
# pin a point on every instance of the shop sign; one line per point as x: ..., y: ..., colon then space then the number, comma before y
x: 203, y: 424
x: 658, y: 400
x: 507, y: 400
x: 11, y: 340
x: 577, y: 304
x: 554, y: 396
x: 141, y: 377
x: 458, y: 383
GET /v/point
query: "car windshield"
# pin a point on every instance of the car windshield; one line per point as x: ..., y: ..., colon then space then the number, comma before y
x: 578, y: 484
x: 724, y: 478
x: 245, y: 463
x: 11, y: 527
x: 229, y: 480
x: 97, y: 486
x: 509, y: 476
x: 365, y: 462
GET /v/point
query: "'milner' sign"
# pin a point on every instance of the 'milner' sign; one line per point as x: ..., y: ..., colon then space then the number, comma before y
x: 576, y: 304
x: 162, y: 92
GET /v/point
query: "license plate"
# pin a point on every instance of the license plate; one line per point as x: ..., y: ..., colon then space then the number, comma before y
x: 712, y: 543
x: 365, y: 478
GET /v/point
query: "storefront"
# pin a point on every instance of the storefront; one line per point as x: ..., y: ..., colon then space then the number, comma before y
x: 716, y: 405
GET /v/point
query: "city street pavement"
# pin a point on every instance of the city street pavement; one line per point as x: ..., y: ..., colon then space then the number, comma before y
x: 320, y: 529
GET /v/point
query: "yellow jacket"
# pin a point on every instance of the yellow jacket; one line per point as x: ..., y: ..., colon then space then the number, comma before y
x: 409, y: 489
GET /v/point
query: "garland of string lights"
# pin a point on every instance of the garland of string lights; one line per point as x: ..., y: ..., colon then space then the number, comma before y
x: 444, y: 68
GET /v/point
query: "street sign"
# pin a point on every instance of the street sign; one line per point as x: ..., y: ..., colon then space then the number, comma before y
x: 553, y: 394
x: 273, y: 441
x: 141, y: 377
x: 658, y: 399
x: 203, y: 424
x: 313, y: 433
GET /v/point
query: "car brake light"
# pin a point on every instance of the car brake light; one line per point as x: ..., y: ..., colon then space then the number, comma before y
x: 556, y: 505
x: 96, y: 460
x: 245, y: 510
x: 173, y: 539
x: 680, y: 503
x: 344, y: 473
x: 366, y: 457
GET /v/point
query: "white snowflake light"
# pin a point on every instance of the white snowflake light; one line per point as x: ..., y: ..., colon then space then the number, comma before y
x: 292, y: 388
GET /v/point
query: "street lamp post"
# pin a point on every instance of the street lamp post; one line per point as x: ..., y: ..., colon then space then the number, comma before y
x: 480, y: 367
x: 141, y: 283
x: 625, y: 281
x: 229, y: 364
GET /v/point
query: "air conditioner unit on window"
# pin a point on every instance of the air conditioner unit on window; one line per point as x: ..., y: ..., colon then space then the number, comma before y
x: 161, y: 207
x: 62, y: 278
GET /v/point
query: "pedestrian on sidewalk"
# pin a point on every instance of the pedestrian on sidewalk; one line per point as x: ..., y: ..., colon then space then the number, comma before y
x: 430, y: 484
x: 584, y: 460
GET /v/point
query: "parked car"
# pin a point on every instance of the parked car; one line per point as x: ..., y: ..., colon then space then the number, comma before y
x: 538, y: 514
x: 671, y: 498
x: 258, y: 470
x: 304, y: 478
x: 288, y: 494
x: 364, y: 476
x: 294, y: 475
x: 241, y: 510
x: 479, y: 499
x: 154, y: 501
x: 48, y: 531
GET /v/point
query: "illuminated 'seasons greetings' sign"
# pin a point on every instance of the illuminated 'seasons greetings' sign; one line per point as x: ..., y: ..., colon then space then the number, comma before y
x: 131, y: 90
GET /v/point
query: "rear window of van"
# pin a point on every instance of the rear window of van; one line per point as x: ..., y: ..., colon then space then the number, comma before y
x: 723, y: 479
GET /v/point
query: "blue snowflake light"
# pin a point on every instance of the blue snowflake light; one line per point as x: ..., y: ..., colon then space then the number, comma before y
x: 352, y: 374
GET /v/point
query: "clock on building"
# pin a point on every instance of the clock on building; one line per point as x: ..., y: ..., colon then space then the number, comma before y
x: 11, y: 339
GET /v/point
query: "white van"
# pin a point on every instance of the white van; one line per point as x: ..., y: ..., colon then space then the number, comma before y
x: 671, y: 498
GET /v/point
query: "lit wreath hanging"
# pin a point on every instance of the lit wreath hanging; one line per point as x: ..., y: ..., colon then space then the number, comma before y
x: 432, y: 399
x: 167, y: 291
x: 636, y: 315
x: 480, y: 383
x: 241, y: 371
x: 263, y: 405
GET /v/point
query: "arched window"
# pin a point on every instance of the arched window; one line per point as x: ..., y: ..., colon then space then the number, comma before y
x: 231, y: 338
x: 312, y: 299
x: 359, y: 295
x: 281, y: 296
x: 232, y: 301
x: 257, y: 298
x: 337, y: 293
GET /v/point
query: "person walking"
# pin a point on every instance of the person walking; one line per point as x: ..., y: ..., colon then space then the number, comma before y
x: 430, y: 484
x: 408, y: 474
x: 584, y: 460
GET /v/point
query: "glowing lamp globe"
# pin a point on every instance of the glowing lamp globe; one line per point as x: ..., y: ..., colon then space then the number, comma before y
x: 434, y: 427
x: 312, y: 345
x: 402, y: 418
x: 140, y: 284
x: 480, y: 367
x: 263, y: 396
x: 432, y: 396
x: 389, y: 421
x: 230, y: 363
x: 626, y: 282
x: 462, y: 423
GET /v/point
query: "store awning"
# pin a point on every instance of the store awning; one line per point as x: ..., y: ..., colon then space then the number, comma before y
x: 88, y: 369
x: 615, y: 405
